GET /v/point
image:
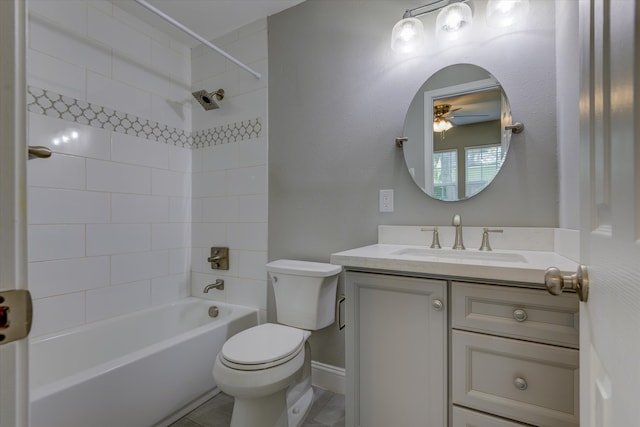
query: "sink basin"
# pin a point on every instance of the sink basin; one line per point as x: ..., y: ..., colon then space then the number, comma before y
x: 461, y: 255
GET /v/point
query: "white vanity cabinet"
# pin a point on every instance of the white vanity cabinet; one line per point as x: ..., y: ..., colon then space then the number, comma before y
x: 437, y: 352
x: 396, y: 353
x: 514, y: 354
x: 461, y: 338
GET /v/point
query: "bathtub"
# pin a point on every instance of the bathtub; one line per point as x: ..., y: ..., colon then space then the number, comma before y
x: 143, y: 369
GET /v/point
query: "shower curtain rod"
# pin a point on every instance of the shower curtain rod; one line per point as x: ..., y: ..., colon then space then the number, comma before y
x: 196, y: 36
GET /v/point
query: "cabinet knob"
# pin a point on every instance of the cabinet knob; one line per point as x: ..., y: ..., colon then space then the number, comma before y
x: 520, y: 315
x: 437, y: 305
x: 520, y: 383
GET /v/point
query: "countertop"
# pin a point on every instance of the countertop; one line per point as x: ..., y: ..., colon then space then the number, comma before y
x: 469, y: 264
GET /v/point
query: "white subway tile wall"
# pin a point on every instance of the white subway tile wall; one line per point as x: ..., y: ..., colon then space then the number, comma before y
x: 142, y: 181
x: 229, y: 180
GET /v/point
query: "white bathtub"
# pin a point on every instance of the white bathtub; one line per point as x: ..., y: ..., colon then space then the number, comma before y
x: 142, y: 369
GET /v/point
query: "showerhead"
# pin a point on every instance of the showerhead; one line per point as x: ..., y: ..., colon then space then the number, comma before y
x: 208, y: 99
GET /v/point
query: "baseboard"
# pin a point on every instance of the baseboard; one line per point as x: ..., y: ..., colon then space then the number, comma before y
x: 328, y: 377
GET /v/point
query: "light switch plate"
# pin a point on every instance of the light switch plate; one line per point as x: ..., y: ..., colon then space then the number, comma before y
x: 386, y: 200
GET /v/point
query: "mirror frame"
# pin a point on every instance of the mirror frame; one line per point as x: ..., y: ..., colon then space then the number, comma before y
x: 429, y: 98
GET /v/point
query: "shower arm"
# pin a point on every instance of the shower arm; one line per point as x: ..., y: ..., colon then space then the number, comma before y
x: 197, y: 36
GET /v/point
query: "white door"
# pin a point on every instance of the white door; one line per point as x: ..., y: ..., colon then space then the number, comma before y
x: 13, y: 255
x: 610, y: 212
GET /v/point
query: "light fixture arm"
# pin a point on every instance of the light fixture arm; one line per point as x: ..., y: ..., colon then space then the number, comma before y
x: 432, y: 7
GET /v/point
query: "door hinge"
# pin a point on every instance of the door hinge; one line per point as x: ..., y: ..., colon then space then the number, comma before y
x: 16, y: 314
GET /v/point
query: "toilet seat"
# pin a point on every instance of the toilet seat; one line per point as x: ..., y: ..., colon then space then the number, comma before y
x: 262, y: 347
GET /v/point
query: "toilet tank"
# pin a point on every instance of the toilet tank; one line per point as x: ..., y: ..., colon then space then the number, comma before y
x: 305, y: 292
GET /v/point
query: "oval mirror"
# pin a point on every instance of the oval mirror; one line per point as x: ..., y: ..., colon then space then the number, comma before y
x: 455, y: 139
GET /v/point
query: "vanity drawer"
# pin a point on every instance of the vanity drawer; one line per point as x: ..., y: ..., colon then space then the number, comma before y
x: 463, y: 417
x: 529, y: 314
x: 528, y: 382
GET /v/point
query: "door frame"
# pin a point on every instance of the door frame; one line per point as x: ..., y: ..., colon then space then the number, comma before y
x: 14, y: 386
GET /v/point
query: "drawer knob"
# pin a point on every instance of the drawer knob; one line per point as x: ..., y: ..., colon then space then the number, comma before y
x: 520, y: 315
x: 520, y: 383
x: 437, y: 305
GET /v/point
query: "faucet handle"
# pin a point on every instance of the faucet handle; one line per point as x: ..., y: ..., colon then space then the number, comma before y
x: 485, y: 246
x: 435, y: 242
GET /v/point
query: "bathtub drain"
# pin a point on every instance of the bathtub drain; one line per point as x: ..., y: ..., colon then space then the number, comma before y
x: 213, y: 311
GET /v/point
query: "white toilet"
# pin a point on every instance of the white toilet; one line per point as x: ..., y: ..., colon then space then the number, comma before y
x: 267, y: 368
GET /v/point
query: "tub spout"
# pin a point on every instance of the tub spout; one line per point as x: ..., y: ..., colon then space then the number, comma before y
x: 219, y: 284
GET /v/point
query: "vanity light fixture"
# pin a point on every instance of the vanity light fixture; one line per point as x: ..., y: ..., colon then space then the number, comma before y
x: 504, y: 13
x: 408, y: 33
x: 452, y: 21
x: 454, y: 17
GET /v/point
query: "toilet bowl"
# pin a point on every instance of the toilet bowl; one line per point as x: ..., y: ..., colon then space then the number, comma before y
x: 267, y: 368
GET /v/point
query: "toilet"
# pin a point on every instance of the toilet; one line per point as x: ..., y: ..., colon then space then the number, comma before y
x: 267, y: 368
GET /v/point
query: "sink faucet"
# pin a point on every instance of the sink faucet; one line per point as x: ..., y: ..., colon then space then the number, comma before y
x: 485, y: 246
x: 457, y: 223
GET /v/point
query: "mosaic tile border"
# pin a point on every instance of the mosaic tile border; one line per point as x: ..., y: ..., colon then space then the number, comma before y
x: 52, y: 104
x: 232, y: 132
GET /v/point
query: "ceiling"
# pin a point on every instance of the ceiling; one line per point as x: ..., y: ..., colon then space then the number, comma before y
x: 208, y: 18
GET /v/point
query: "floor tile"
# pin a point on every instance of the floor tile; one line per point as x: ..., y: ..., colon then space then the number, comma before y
x: 327, y: 410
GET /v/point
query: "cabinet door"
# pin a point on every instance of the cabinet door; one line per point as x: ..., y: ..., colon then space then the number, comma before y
x: 396, y: 351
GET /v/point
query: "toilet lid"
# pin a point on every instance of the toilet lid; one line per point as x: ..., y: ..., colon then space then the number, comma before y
x: 263, y: 344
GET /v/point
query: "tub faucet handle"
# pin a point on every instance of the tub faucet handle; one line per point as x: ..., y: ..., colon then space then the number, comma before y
x: 435, y: 241
x: 219, y: 258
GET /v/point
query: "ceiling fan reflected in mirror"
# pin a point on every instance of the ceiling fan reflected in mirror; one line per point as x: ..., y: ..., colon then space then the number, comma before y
x: 443, y: 120
x: 440, y: 121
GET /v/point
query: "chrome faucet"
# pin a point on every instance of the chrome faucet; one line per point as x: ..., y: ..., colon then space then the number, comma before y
x: 219, y: 285
x: 457, y: 223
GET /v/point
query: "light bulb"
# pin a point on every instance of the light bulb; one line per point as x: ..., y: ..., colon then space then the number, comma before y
x: 452, y: 20
x: 441, y: 125
x: 504, y: 13
x: 407, y: 35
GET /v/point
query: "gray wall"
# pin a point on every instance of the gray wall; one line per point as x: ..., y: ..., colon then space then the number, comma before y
x: 338, y: 96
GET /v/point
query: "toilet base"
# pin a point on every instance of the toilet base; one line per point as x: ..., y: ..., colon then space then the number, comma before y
x: 271, y: 410
x: 267, y: 411
x: 300, y: 409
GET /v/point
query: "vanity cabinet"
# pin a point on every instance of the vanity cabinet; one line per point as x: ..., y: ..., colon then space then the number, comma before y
x: 461, y: 338
x: 396, y: 353
x: 514, y: 354
x: 434, y: 352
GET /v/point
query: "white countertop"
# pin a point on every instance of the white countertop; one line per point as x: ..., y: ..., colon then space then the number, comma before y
x: 524, y: 266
